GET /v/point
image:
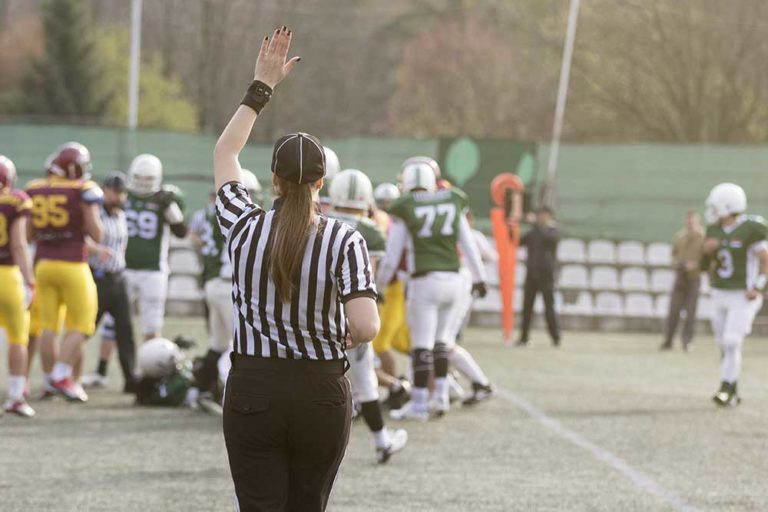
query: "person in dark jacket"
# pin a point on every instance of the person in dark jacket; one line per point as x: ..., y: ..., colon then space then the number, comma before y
x: 541, y: 241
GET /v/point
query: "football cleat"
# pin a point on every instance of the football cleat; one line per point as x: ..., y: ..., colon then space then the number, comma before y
x: 665, y: 346
x: 397, y: 399
x: 398, y: 438
x: 47, y: 391
x: 71, y: 390
x: 480, y: 393
x: 409, y: 413
x: 456, y: 393
x: 727, y: 396
x: 95, y: 380
x: 439, y: 405
x: 18, y: 407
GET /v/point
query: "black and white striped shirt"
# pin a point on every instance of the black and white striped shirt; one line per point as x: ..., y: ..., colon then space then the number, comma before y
x: 115, y: 238
x: 336, y: 268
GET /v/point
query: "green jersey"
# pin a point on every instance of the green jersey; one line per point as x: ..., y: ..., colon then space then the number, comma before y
x: 432, y: 220
x: 215, y: 259
x: 148, y: 218
x: 736, y: 265
x: 373, y: 236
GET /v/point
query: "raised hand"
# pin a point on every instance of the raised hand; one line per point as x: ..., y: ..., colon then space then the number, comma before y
x: 271, y: 65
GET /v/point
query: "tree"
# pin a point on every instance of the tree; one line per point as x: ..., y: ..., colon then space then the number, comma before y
x: 67, y: 82
x: 162, y: 103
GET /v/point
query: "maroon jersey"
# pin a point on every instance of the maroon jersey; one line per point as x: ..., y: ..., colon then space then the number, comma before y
x: 57, y: 217
x: 13, y: 204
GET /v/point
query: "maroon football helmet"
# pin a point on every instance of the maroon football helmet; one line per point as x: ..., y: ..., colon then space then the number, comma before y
x: 7, y: 172
x: 71, y: 160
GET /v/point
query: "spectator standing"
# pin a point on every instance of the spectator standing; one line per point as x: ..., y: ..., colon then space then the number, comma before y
x: 541, y: 241
x: 687, y: 248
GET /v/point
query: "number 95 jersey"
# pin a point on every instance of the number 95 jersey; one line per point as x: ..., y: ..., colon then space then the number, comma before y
x: 148, y: 217
x: 432, y: 220
x: 736, y: 265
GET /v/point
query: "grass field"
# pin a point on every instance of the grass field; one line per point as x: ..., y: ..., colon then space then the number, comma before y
x: 607, y: 423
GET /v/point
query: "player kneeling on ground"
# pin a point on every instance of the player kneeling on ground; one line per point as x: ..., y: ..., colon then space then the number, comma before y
x: 351, y: 198
x: 736, y: 254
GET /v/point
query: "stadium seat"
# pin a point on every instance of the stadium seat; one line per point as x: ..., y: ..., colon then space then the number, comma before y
x: 662, y: 306
x: 180, y: 243
x: 181, y: 287
x: 604, y: 278
x: 659, y: 254
x: 491, y: 273
x: 634, y: 279
x: 491, y: 303
x: 704, y: 309
x: 522, y: 253
x: 609, y: 304
x: 184, y: 261
x: 662, y: 280
x: 574, y: 276
x: 638, y: 305
x: 538, y: 306
x: 520, y: 273
x: 601, y: 251
x: 582, y: 306
x: 518, y: 304
x: 571, y: 250
x: 630, y: 253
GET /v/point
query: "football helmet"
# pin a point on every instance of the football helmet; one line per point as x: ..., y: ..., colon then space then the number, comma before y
x: 251, y: 183
x: 724, y: 200
x: 384, y: 194
x: 418, y: 174
x: 423, y: 160
x: 332, y: 165
x: 158, y: 357
x: 71, y: 160
x: 145, y: 175
x: 7, y: 172
x: 351, y: 188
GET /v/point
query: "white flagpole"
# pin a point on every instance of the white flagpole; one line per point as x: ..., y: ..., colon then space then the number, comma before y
x: 133, y: 79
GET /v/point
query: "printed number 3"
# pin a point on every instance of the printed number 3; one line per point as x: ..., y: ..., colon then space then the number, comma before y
x: 725, y: 268
x: 4, y: 238
x: 430, y: 213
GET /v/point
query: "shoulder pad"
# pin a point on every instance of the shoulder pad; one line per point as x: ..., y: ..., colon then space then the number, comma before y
x: 91, y: 194
x: 173, y: 194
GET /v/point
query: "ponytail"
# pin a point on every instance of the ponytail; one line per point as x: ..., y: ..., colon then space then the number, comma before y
x: 291, y: 227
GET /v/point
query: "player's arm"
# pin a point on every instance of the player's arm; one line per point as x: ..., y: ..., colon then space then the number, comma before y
x: 196, y: 229
x: 20, y: 249
x: 396, y: 240
x: 92, y: 222
x: 271, y: 68
x: 761, y: 281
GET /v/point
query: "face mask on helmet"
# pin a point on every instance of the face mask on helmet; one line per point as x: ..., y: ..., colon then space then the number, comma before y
x: 351, y: 188
x: 145, y: 174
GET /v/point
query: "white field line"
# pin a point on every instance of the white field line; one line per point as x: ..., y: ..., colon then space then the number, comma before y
x: 640, y: 479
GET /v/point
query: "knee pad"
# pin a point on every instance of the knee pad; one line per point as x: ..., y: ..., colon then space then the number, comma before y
x: 423, y: 361
x: 441, y: 355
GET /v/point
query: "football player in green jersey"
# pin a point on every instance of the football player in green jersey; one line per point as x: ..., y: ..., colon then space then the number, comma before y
x: 206, y: 236
x: 432, y: 223
x: 351, y: 195
x: 152, y: 211
x: 736, y: 255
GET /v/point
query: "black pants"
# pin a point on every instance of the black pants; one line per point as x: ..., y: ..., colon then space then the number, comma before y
x: 113, y: 299
x: 685, y: 297
x: 545, y: 286
x: 286, y: 427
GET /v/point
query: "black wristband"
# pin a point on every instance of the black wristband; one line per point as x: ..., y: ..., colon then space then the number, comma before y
x: 257, y: 96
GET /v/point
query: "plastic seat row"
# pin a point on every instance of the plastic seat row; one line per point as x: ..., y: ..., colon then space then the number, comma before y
x: 573, y: 250
x: 610, y: 278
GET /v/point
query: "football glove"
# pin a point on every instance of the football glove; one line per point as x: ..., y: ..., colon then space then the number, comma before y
x: 479, y: 290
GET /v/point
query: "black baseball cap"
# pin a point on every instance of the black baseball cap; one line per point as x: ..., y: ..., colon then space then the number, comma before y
x: 116, y: 180
x: 298, y: 157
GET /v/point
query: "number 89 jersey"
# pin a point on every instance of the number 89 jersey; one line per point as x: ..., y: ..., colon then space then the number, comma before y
x: 736, y: 265
x: 432, y: 220
x: 147, y: 217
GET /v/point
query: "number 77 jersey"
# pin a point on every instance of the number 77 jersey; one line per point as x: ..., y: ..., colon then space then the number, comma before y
x: 432, y: 220
x: 736, y: 265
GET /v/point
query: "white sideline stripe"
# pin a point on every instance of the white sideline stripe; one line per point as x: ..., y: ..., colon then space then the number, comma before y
x: 641, y: 480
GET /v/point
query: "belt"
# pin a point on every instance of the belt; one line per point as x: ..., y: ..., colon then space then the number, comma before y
x: 416, y: 275
x: 289, y: 366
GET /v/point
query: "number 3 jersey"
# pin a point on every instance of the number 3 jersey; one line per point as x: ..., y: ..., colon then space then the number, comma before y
x: 736, y: 264
x: 57, y: 217
x: 148, y: 218
x: 13, y: 204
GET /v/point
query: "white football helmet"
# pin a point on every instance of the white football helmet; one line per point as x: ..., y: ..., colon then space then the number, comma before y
x: 158, y: 358
x: 419, y: 175
x: 145, y: 175
x: 351, y: 188
x: 724, y: 200
x: 251, y: 182
x: 332, y: 165
x: 385, y: 193
x: 423, y: 160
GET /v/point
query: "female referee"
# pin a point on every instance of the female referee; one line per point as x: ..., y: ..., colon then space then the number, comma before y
x: 303, y: 292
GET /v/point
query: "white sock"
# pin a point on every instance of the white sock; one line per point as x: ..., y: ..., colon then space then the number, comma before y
x: 16, y: 385
x: 441, y: 387
x: 466, y: 364
x: 419, y: 397
x: 61, y: 371
x: 730, y: 365
x: 381, y: 438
